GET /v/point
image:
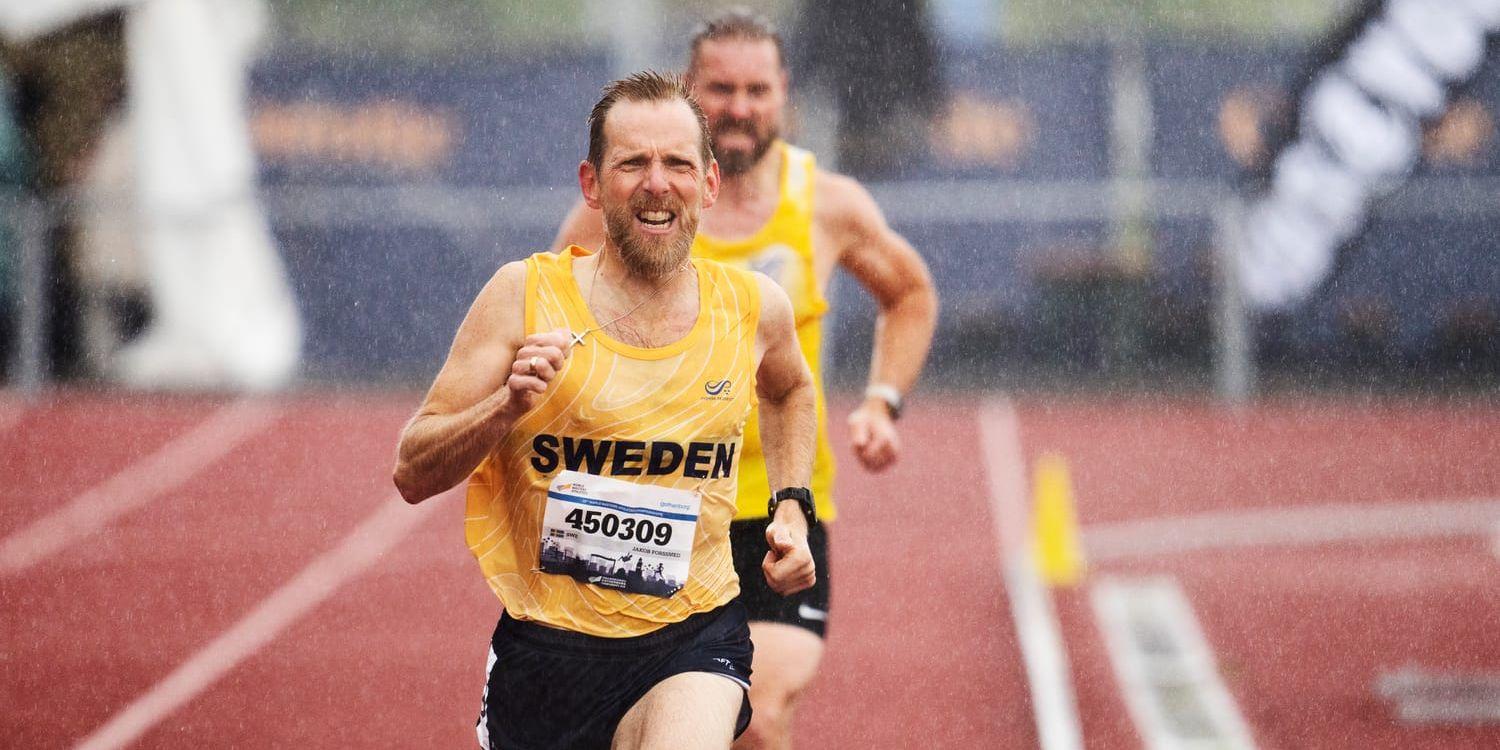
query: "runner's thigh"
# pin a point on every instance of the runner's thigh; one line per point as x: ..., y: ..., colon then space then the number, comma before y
x: 690, y: 710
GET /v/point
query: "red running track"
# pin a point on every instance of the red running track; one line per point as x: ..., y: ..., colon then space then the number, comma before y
x: 1302, y: 629
x: 922, y: 647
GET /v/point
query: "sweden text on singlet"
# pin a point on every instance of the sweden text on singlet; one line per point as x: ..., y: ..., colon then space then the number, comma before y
x: 628, y: 458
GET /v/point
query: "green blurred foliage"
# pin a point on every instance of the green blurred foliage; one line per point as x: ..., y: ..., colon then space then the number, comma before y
x: 429, y: 27
x: 1040, y: 21
x: 437, y: 28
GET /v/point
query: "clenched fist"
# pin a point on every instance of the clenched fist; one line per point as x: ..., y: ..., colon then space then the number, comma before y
x: 538, y: 361
x: 788, y: 566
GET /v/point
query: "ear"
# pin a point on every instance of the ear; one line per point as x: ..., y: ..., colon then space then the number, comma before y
x: 588, y: 182
x: 711, y: 184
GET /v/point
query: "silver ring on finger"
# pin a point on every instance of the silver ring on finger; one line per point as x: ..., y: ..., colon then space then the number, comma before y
x: 532, y: 362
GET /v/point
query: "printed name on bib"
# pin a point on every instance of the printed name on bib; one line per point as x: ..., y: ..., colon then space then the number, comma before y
x: 636, y: 538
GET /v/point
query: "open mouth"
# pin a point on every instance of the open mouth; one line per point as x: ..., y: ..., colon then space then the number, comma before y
x: 659, y: 220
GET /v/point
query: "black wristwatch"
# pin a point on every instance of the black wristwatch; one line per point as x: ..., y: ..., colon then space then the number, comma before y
x: 804, y: 498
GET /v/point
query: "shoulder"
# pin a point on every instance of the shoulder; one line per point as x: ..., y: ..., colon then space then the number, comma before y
x: 543, y: 259
x: 497, y: 317
x: 505, y: 291
x: 514, y: 272
x: 545, y: 263
x: 841, y: 202
x: 775, y: 307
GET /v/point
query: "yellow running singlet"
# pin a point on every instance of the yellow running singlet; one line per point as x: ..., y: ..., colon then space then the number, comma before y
x: 783, y: 250
x: 606, y: 509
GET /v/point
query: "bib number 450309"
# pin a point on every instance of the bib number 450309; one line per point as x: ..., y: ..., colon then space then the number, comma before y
x: 606, y: 532
x: 626, y: 528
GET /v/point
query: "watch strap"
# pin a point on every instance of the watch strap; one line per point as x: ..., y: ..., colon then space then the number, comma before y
x: 802, y: 496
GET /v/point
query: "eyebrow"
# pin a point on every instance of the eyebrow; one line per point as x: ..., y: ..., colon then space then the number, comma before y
x: 668, y: 155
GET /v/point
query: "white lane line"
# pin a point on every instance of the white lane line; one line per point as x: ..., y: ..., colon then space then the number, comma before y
x: 1291, y: 527
x: 137, y: 484
x: 1047, y: 671
x: 1165, y: 667
x: 319, y: 580
x: 1427, y: 696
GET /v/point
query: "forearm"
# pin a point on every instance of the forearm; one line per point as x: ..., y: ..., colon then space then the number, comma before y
x: 788, y: 428
x: 437, y: 451
x: 903, y: 334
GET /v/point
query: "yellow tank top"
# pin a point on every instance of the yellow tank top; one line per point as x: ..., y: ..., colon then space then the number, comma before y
x: 663, y: 423
x: 783, y: 250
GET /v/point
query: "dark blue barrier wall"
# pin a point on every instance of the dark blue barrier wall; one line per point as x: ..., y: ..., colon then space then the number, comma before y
x: 382, y: 292
x: 462, y: 122
x: 382, y: 295
x: 1045, y: 110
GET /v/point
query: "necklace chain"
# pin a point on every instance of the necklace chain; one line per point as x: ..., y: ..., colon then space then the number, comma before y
x: 594, y: 283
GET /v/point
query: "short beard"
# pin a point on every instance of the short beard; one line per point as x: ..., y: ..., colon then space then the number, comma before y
x: 734, y: 163
x: 650, y: 256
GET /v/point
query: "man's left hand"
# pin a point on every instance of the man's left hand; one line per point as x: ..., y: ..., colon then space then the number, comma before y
x: 873, y: 436
x: 788, y: 566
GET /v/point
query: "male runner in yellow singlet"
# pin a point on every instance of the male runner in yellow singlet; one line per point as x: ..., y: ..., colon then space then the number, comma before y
x: 778, y: 213
x: 596, y: 403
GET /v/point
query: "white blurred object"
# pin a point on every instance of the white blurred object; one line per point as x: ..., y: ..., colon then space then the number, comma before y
x: 1486, y: 11
x: 24, y: 20
x: 224, y: 316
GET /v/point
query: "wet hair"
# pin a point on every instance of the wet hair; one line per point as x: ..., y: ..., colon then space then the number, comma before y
x: 645, y: 86
x: 740, y: 23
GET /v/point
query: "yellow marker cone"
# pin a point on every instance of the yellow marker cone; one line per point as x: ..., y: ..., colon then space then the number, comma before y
x: 1059, y: 552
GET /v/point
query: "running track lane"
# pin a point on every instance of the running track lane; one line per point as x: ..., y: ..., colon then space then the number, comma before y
x: 88, y: 630
x: 1301, y: 631
x: 68, y: 443
x: 921, y: 649
x: 1303, y: 634
x: 86, y: 514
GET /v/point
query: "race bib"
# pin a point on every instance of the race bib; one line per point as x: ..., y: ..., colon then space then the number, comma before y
x: 636, y: 538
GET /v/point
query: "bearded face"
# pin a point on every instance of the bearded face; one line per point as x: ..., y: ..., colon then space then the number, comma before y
x: 741, y: 142
x: 653, y: 184
x: 653, y: 234
x: 741, y: 85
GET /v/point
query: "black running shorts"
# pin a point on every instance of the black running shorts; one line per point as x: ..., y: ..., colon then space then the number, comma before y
x: 552, y: 689
x: 808, y: 609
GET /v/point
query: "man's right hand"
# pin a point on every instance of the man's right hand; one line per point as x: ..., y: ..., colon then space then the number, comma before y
x: 537, y: 363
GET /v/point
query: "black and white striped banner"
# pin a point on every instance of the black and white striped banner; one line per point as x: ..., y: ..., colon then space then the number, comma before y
x: 1356, y: 135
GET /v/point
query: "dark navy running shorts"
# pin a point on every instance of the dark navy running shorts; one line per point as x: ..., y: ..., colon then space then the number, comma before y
x: 807, y: 609
x: 550, y: 689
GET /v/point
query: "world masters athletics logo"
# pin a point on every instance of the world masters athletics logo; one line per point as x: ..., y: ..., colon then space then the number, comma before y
x: 717, y: 390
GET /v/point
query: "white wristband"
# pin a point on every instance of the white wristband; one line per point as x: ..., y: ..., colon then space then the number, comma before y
x: 887, y: 393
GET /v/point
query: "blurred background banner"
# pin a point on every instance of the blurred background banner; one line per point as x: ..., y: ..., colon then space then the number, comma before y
x: 1355, y: 134
x: 1064, y: 169
x: 399, y: 187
